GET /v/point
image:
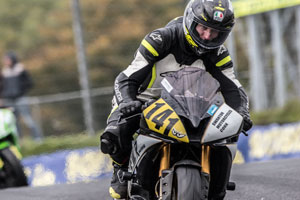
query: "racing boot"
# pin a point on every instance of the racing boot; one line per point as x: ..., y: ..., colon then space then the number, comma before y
x: 220, y: 167
x: 118, y: 186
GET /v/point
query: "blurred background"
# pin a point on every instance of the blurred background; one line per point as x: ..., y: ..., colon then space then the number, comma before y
x: 73, y: 50
x: 73, y: 95
x: 41, y: 33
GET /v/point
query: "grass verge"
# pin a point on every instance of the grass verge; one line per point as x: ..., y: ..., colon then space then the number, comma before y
x: 287, y: 114
x: 30, y: 147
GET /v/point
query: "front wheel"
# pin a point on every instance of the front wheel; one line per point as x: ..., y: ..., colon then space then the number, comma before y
x: 11, y: 173
x: 189, y: 184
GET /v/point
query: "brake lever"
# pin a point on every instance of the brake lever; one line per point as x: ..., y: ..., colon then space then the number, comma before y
x: 147, y: 104
x: 245, y: 133
x: 123, y: 119
x: 119, y: 118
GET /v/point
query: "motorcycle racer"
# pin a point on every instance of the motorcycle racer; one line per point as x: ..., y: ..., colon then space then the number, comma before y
x: 194, y: 40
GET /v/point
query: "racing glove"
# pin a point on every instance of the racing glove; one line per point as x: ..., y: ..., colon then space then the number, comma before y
x: 246, y: 116
x: 129, y: 108
x: 244, y: 110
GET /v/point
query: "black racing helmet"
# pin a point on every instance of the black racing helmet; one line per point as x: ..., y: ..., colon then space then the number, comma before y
x: 215, y: 14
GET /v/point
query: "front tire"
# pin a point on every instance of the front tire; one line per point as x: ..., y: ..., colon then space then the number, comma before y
x: 188, y: 184
x: 12, y: 173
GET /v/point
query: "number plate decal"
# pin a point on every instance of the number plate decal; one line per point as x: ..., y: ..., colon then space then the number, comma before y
x: 161, y: 118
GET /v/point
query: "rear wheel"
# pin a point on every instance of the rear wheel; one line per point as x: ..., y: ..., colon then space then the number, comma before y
x: 187, y: 184
x: 11, y: 173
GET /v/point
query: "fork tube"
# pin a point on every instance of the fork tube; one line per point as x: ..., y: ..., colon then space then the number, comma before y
x: 205, y: 162
x: 165, y: 158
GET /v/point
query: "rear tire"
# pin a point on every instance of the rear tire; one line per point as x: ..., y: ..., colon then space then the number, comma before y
x: 187, y: 184
x: 12, y: 173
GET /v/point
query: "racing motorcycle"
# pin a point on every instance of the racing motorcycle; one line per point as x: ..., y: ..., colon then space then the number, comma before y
x: 170, y: 158
x: 11, y: 169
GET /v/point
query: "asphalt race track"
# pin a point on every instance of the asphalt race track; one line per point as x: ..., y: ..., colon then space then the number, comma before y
x: 275, y: 180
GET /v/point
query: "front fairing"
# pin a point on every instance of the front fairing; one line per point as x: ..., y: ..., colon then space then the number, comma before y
x: 189, y: 98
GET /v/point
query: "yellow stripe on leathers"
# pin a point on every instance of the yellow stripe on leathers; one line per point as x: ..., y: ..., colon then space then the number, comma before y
x: 153, y: 77
x: 223, y: 61
x: 175, y: 129
x: 150, y: 48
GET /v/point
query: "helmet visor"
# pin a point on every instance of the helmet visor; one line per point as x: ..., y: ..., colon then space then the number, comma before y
x: 208, y: 37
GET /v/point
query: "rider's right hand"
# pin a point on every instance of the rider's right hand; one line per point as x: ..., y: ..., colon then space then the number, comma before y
x: 128, y: 108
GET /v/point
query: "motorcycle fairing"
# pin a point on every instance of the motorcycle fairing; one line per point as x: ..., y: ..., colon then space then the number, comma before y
x: 8, y: 123
x: 8, y: 129
x: 140, y: 146
x: 161, y: 118
x: 144, y: 150
x: 225, y: 122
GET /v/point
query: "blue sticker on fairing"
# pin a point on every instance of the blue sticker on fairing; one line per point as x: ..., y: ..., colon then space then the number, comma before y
x: 213, y: 108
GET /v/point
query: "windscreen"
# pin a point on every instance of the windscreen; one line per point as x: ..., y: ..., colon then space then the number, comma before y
x: 190, y: 92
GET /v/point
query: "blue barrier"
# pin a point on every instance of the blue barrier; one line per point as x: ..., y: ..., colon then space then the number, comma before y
x: 71, y: 166
x: 68, y: 166
x: 271, y: 142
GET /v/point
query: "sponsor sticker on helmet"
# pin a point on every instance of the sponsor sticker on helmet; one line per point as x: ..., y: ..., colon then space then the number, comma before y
x: 218, y: 16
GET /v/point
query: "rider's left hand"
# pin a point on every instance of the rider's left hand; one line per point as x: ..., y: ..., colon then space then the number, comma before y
x: 247, y: 121
x: 247, y: 124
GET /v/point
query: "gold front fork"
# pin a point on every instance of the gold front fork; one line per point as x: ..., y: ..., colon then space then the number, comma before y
x: 205, y: 162
x: 165, y: 158
x: 164, y: 164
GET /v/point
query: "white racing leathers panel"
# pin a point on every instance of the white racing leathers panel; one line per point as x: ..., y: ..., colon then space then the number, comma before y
x: 225, y: 122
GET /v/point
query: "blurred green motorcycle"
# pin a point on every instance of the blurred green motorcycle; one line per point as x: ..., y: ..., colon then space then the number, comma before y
x: 11, y: 169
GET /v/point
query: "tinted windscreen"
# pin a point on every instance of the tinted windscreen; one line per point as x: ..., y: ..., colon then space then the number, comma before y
x: 192, y: 91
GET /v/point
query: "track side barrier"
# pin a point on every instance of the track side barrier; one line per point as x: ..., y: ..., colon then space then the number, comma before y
x: 88, y: 164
